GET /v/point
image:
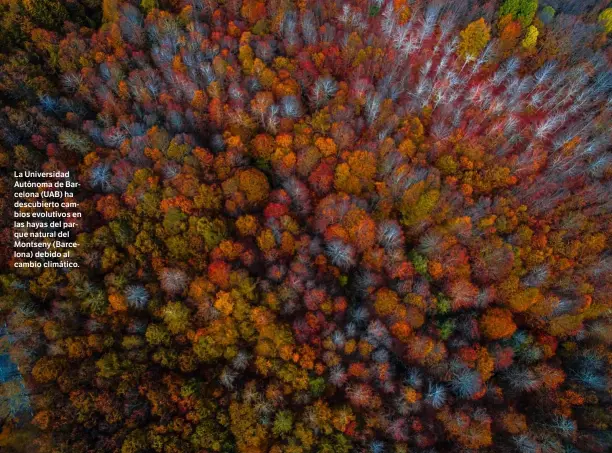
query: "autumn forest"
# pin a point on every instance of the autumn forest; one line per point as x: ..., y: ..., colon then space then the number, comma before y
x: 311, y: 226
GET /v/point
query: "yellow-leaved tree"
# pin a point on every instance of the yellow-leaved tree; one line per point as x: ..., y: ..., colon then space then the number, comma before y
x: 474, y: 38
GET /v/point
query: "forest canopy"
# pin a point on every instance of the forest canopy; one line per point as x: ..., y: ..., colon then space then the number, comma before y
x: 311, y: 226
